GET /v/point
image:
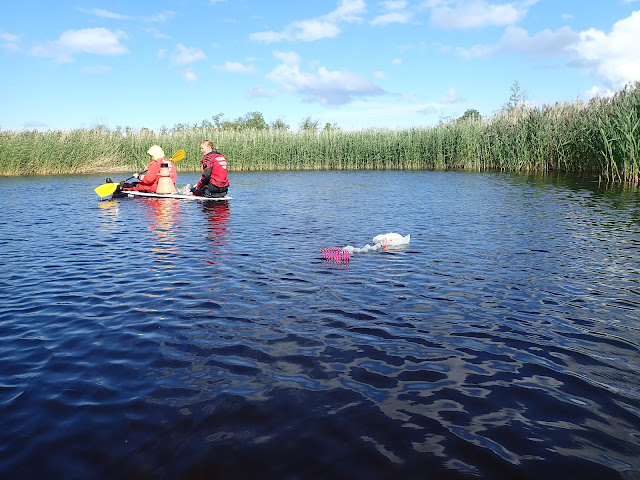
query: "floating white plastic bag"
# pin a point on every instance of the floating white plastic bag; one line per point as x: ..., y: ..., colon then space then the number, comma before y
x: 391, y: 240
x: 383, y: 241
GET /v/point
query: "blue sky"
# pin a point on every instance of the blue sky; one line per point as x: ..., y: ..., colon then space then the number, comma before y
x: 355, y: 63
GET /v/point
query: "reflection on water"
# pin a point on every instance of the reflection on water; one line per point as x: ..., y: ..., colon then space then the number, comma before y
x: 217, y: 215
x: 174, y: 339
x: 163, y: 221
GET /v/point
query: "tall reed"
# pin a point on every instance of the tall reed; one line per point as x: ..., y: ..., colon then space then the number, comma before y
x: 599, y: 137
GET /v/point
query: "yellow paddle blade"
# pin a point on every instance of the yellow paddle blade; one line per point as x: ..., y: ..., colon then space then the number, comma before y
x: 179, y: 155
x: 106, y: 189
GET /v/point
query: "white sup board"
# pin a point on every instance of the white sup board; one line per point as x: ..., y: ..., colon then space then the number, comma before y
x: 134, y: 193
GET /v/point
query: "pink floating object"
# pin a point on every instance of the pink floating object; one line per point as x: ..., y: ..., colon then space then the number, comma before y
x: 335, y: 254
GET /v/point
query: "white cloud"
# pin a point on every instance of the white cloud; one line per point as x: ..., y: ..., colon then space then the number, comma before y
x: 161, y: 16
x: 476, y: 13
x: 394, y: 4
x: 189, y: 76
x: 235, y: 67
x: 450, y: 96
x: 396, y: 61
x: 260, y: 92
x: 156, y: 33
x: 322, y: 86
x: 185, y: 55
x: 392, y: 17
x: 9, y: 41
x: 326, y: 26
x: 99, y: 12
x: 544, y: 44
x: 96, y: 41
x: 477, y: 51
x: 394, y: 13
x: 597, y: 91
x: 378, y: 74
x: 611, y: 58
x: 155, y: 18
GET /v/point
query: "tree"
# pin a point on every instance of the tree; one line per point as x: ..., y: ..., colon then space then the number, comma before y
x: 309, y: 125
x: 252, y: 121
x: 279, y: 125
x: 470, y: 115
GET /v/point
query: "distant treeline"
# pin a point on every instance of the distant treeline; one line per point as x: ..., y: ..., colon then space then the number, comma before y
x: 599, y: 137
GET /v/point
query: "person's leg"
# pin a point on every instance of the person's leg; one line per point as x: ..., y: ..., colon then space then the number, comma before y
x: 215, y: 192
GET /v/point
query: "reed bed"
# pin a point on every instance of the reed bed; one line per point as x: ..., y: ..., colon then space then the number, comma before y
x: 599, y: 137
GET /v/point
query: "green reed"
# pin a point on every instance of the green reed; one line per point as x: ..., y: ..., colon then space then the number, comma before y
x: 599, y: 137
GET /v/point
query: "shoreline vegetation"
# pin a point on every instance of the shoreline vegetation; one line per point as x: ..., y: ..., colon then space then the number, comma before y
x: 600, y: 137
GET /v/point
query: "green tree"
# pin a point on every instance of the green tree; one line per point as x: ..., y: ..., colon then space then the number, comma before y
x: 328, y: 127
x: 471, y: 115
x: 279, y: 125
x: 309, y: 125
x: 252, y: 121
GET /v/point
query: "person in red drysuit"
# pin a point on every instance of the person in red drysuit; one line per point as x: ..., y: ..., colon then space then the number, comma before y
x: 149, y: 181
x: 214, y: 182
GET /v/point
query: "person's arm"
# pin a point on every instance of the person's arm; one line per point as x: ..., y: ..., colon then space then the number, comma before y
x: 152, y: 174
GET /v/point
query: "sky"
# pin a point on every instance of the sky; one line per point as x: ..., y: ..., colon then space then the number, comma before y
x: 355, y: 64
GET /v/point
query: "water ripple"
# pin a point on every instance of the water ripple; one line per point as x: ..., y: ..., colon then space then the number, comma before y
x: 152, y: 339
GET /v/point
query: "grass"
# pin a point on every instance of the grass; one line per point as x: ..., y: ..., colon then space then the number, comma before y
x: 599, y: 137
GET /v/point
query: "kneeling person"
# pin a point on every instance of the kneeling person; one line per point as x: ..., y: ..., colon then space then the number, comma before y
x: 214, y: 182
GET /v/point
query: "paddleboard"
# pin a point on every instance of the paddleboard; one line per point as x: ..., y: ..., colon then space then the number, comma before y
x: 134, y: 193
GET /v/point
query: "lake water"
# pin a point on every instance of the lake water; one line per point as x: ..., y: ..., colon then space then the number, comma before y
x: 163, y: 339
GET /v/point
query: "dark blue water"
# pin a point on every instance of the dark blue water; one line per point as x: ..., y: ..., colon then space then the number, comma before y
x: 161, y: 339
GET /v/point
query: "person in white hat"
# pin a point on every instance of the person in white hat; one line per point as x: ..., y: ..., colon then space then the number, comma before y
x: 149, y: 181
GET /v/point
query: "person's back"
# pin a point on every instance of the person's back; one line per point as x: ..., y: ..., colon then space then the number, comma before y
x: 149, y: 181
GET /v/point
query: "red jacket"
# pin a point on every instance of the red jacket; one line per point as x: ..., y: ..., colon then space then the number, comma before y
x: 149, y: 181
x: 214, y: 170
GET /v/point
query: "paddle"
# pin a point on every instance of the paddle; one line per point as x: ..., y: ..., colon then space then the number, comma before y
x: 108, y: 188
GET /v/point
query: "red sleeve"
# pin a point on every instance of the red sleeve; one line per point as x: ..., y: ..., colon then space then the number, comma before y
x: 152, y: 174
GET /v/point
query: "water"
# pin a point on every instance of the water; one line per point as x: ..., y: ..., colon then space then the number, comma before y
x: 145, y: 338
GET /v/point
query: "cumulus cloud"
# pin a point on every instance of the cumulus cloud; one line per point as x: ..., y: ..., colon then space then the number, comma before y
x: 185, y: 55
x: 326, y: 26
x: 611, y: 58
x: 235, y: 67
x: 476, y: 13
x: 606, y: 57
x: 95, y: 41
x: 322, y: 86
x: 546, y: 43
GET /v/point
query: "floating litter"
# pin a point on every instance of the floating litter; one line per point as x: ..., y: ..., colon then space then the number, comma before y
x: 387, y: 241
x: 335, y: 254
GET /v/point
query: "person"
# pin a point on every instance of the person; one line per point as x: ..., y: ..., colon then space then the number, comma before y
x: 214, y: 182
x: 149, y: 181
